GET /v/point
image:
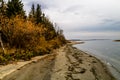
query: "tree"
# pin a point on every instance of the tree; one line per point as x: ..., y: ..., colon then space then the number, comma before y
x: 2, y: 8
x: 33, y: 10
x: 32, y: 13
x: 1, y: 5
x: 35, y: 14
x: 38, y: 14
x: 2, y: 13
x: 15, y: 7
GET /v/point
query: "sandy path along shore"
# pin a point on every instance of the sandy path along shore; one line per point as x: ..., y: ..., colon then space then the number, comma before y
x: 68, y: 63
x: 74, y: 64
x: 40, y: 70
x: 61, y: 65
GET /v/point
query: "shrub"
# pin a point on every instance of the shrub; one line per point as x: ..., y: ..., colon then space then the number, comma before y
x: 22, y: 34
x: 28, y: 39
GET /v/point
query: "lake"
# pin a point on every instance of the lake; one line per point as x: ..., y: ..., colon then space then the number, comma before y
x: 107, y: 51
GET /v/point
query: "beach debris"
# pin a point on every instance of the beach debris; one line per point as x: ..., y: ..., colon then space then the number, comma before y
x: 90, y: 56
x: 75, y: 64
x: 82, y: 70
x: 70, y: 68
x: 80, y: 60
x: 94, y: 62
x: 79, y: 70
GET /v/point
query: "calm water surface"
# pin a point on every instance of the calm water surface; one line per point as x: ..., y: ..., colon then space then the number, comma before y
x: 106, y: 50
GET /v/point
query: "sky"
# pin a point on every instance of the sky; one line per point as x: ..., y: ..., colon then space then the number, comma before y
x: 82, y: 18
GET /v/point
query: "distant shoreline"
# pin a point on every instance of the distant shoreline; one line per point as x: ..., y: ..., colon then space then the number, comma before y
x: 75, y: 42
x: 116, y: 40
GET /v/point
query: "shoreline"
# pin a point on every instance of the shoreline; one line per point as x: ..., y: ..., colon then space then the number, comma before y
x: 116, y: 40
x: 75, y: 42
x: 67, y: 63
x: 103, y: 67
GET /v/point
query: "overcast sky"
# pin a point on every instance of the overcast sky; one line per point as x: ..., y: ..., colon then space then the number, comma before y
x: 82, y: 17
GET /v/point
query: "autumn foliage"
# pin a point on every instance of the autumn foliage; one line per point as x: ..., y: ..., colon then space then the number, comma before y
x: 23, y: 38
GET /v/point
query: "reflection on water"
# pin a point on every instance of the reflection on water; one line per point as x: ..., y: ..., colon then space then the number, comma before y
x: 106, y: 50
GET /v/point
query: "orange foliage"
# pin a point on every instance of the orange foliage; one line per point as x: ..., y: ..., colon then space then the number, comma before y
x: 21, y: 33
x: 28, y: 39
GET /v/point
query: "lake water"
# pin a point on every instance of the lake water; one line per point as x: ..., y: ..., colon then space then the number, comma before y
x: 106, y: 50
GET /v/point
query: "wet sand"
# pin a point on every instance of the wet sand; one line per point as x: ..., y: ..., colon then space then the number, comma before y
x: 66, y: 63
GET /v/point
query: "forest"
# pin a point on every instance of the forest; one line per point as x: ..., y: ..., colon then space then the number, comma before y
x: 25, y: 36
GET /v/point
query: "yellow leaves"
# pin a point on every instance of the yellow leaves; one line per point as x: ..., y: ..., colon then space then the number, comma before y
x: 28, y: 38
x: 22, y: 33
x: 25, y: 35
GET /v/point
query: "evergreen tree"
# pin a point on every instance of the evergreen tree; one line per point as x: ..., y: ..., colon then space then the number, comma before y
x: 15, y: 7
x: 2, y: 7
x: 32, y: 13
x: 38, y: 14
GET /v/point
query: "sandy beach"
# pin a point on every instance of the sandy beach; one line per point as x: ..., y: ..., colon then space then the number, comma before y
x: 65, y: 63
x: 79, y: 65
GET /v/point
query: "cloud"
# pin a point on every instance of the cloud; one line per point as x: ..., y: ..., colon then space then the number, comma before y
x: 81, y: 15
